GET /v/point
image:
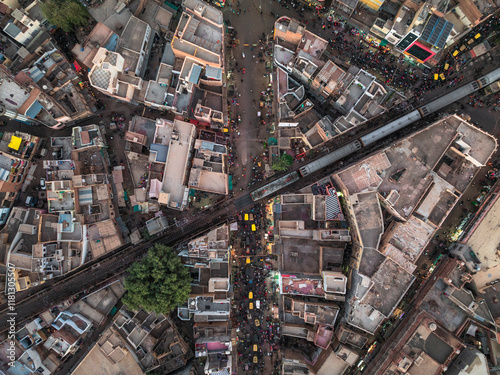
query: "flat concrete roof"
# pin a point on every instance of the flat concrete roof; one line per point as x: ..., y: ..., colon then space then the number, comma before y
x: 364, y: 316
x: 283, y: 56
x: 209, y: 12
x: 156, y: 93
x: 200, y: 36
x: 131, y: 59
x: 134, y: 33
x: 369, y: 219
x: 385, y: 294
x: 144, y: 126
x: 100, y: 34
x: 371, y: 259
x: 314, y: 46
x: 211, y: 181
x: 176, y: 164
x: 482, y: 144
x: 163, y: 16
x: 115, y: 21
x: 109, y: 356
x: 430, y: 343
x: 300, y: 212
x: 300, y: 256
x: 438, y: 201
x: 333, y: 365
x: 441, y: 308
x: 406, y: 167
x: 406, y: 241
x: 484, y: 241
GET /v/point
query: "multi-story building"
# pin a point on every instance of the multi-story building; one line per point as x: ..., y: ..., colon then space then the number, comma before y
x: 207, y: 258
x: 209, y: 171
x: 16, y: 162
x: 419, y: 189
x: 311, y: 244
x: 69, y: 329
x: 200, y: 34
x: 43, y: 82
x: 153, y: 340
x: 188, y: 73
x: 361, y: 99
x: 173, y: 149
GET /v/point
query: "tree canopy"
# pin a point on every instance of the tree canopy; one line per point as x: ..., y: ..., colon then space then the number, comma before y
x: 283, y: 163
x: 159, y: 282
x: 66, y: 14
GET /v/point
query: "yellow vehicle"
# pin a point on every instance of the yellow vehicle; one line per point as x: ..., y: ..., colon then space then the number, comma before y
x: 255, y: 348
x: 250, y: 305
x: 250, y: 295
x: 254, y: 228
x: 446, y: 66
x: 225, y: 130
x: 255, y: 359
x: 442, y: 76
x: 257, y: 322
x: 246, y: 217
x: 477, y: 36
x: 455, y: 53
x: 436, y: 77
x: 248, y: 260
x: 463, y: 48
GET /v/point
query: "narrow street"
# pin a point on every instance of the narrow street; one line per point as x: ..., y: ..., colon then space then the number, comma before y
x: 255, y: 297
x: 247, y: 61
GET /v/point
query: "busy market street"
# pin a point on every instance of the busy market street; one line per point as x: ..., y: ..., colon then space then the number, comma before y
x: 255, y: 303
x: 252, y: 121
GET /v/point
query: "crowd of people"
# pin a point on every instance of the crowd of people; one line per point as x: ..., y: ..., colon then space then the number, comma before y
x: 254, y: 301
x: 395, y: 72
x: 479, y: 101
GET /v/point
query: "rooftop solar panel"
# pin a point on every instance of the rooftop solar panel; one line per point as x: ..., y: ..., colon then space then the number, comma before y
x: 436, y: 31
x: 419, y: 52
x: 407, y: 40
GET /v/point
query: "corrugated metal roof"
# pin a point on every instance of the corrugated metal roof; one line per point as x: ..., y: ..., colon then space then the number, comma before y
x: 85, y: 196
x: 213, y: 73
x: 35, y: 74
x: 4, y: 174
x: 34, y: 109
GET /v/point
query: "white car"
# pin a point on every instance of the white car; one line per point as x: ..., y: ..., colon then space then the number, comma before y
x: 42, y: 184
x: 257, y: 304
x: 243, y: 54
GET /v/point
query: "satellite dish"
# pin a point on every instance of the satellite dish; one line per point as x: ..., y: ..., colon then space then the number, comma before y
x: 44, y: 87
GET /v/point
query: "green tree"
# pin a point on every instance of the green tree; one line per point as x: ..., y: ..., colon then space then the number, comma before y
x: 283, y: 163
x: 159, y: 282
x: 66, y: 14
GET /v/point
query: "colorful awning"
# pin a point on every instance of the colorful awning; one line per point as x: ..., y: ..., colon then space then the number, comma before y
x: 15, y: 143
